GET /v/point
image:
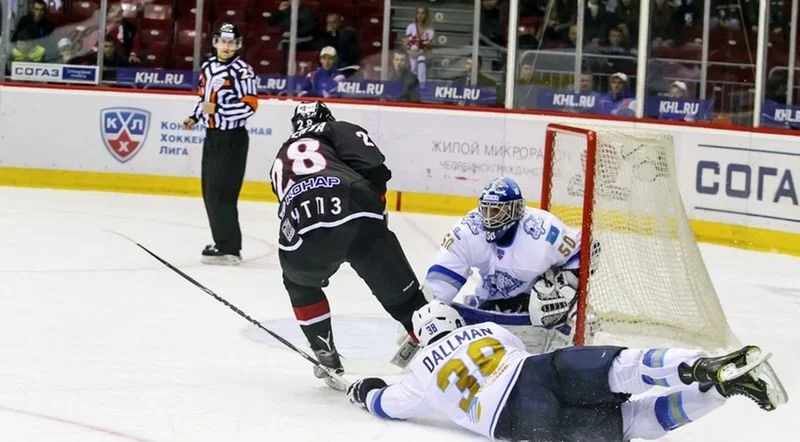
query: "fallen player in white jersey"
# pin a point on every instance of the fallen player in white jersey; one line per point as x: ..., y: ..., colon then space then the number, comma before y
x: 528, y: 263
x: 481, y: 378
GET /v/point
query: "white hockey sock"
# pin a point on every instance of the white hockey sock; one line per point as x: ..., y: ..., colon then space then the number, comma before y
x: 651, y: 417
x: 637, y: 370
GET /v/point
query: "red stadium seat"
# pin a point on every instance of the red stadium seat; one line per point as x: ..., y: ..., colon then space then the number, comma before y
x: 157, y: 12
x: 164, y: 25
x: 231, y: 10
x: 131, y: 10
x: 266, y: 60
x: 186, y: 9
x: 83, y: 10
x: 262, y: 10
x: 182, y: 62
x: 269, y: 37
x: 154, y: 54
x: 148, y: 36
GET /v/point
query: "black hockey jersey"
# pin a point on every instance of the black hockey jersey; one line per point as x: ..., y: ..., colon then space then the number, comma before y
x: 324, y: 176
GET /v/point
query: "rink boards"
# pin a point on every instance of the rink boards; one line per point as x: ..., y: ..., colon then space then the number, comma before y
x: 738, y: 187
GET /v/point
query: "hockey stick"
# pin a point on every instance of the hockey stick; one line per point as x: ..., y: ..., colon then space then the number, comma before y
x: 341, y: 382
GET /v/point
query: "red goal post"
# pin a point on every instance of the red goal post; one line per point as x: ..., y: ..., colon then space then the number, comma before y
x: 586, y: 222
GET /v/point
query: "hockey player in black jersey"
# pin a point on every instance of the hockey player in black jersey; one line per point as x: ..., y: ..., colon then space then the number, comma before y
x: 330, y: 180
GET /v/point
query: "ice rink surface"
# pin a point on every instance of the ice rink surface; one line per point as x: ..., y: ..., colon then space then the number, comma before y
x: 100, y: 342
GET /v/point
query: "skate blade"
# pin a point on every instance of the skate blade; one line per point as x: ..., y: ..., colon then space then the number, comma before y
x: 753, y: 359
x: 227, y: 260
x: 775, y: 389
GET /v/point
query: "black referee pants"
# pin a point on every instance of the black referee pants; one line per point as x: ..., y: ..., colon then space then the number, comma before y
x: 222, y: 174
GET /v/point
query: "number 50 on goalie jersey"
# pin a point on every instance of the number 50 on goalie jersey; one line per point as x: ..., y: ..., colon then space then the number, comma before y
x: 326, y: 175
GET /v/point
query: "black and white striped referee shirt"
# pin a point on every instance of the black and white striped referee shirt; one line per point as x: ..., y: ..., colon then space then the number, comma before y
x: 231, y: 85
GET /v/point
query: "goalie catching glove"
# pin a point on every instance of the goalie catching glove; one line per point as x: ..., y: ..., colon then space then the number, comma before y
x: 552, y: 298
x: 357, y: 391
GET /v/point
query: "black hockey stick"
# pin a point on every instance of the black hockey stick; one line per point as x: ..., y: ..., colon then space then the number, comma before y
x: 341, y: 381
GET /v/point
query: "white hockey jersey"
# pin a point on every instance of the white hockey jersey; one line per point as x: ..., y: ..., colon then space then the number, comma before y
x: 466, y: 375
x: 541, y: 241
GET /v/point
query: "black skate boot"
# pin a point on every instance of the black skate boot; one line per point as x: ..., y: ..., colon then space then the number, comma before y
x: 744, y: 372
x: 212, y: 255
x: 331, y: 360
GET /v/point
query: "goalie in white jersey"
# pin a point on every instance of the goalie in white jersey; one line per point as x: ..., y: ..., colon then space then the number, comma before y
x: 481, y: 378
x: 528, y: 264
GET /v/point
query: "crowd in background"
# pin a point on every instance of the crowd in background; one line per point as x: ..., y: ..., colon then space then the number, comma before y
x: 342, y: 39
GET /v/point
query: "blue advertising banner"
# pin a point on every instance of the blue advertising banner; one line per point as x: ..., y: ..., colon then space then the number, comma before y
x: 665, y: 108
x: 54, y: 73
x: 156, y: 78
x: 780, y: 115
x: 549, y: 99
x: 447, y: 92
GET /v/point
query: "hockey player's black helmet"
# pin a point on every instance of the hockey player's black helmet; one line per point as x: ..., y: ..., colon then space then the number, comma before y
x: 228, y: 31
x: 313, y: 112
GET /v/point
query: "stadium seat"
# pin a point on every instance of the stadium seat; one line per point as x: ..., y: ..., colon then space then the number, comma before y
x: 157, y: 12
x: 149, y: 36
x: 164, y: 25
x: 131, y: 9
x: 263, y: 9
x: 182, y: 62
x: 231, y: 10
x: 266, y: 36
x: 155, y: 54
x: 83, y: 10
x: 265, y: 60
x: 186, y: 9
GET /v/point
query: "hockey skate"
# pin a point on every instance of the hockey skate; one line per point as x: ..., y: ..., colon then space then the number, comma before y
x: 211, y: 255
x: 744, y: 372
x: 331, y: 360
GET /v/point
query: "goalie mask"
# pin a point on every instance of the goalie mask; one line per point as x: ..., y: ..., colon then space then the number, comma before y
x: 435, y: 320
x: 227, y: 40
x: 501, y: 206
x: 306, y: 114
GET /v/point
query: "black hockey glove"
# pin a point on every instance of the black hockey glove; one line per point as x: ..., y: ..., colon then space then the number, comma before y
x: 357, y: 391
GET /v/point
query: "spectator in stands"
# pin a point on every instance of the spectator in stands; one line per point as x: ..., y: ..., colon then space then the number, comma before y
x: 677, y: 90
x: 344, y: 40
x: 778, y: 23
x: 563, y: 15
x: 66, y: 53
x: 34, y: 23
x: 595, y: 20
x: 587, y: 84
x: 25, y: 50
x: 418, y: 42
x: 526, y: 91
x: 619, y: 51
x: 112, y: 59
x: 409, y: 81
x: 123, y: 30
x: 492, y: 30
x: 483, y: 81
x: 572, y: 37
x: 627, y: 19
x: 323, y: 81
x: 662, y: 23
x: 306, y: 25
x: 619, y: 100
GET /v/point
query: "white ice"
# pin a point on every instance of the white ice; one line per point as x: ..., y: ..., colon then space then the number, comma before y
x: 99, y: 341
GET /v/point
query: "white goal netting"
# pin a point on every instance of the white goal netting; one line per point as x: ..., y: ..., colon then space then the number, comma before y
x: 650, y: 286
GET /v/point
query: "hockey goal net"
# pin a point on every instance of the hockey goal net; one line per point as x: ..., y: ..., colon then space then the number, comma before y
x: 647, y: 284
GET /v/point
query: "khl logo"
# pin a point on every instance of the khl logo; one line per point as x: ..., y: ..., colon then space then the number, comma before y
x: 124, y: 131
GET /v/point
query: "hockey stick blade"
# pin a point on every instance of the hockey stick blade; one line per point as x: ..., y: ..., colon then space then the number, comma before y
x: 340, y: 382
x: 408, y: 349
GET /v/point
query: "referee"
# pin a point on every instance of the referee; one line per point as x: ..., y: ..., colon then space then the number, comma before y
x: 227, y: 93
